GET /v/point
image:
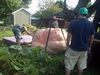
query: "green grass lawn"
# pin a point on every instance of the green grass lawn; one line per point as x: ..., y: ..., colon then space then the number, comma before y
x: 93, y: 69
x: 4, y: 32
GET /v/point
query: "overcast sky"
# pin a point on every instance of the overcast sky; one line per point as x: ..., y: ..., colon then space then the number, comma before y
x: 34, y: 6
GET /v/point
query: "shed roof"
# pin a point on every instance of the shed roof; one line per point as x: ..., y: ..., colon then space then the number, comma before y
x: 19, y: 10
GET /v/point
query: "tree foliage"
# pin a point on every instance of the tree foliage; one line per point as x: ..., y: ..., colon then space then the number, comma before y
x: 7, y: 6
x: 89, y: 4
x: 60, y: 3
x: 47, y: 8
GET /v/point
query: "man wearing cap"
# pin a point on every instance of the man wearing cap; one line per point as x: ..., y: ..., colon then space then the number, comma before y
x: 81, y: 35
x: 54, y: 23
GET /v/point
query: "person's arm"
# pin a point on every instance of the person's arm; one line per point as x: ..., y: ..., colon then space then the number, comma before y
x: 90, y: 43
x: 29, y: 33
x: 69, y: 35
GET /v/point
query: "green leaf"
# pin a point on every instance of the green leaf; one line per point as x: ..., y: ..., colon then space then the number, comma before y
x: 43, y: 70
x: 16, y: 47
x: 35, y: 52
x: 15, y: 66
x: 6, y: 57
x: 17, y: 63
x: 1, y: 74
x: 3, y: 51
x: 30, y: 70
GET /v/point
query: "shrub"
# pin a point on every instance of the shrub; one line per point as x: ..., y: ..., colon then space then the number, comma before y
x: 17, y: 60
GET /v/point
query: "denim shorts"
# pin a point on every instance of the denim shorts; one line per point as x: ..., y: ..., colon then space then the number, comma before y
x: 17, y: 33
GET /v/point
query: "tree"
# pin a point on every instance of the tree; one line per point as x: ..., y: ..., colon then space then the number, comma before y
x: 47, y: 8
x: 60, y: 3
x: 89, y: 4
x: 7, y: 6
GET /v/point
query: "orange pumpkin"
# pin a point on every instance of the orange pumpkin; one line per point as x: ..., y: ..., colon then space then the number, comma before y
x: 56, y: 42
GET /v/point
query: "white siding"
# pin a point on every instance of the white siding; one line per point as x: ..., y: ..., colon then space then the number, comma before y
x: 21, y: 17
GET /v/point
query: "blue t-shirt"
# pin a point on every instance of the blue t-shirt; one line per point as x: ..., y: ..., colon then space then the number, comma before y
x: 21, y: 28
x: 81, y: 30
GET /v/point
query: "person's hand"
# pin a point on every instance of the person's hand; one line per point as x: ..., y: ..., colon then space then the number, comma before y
x: 25, y: 28
x: 89, y: 50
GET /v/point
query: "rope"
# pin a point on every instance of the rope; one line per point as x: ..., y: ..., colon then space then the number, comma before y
x: 47, y: 39
x: 63, y: 34
x: 40, y: 25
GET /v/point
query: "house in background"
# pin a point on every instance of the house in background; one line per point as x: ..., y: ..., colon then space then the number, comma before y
x: 20, y: 16
x: 34, y: 20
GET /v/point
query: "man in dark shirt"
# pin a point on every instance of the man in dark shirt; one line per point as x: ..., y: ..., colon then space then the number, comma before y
x: 81, y: 34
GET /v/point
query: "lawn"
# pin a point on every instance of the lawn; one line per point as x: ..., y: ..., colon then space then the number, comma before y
x: 4, y: 32
x: 93, y: 68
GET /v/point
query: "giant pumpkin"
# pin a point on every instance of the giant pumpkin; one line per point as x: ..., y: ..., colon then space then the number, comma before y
x: 56, y: 42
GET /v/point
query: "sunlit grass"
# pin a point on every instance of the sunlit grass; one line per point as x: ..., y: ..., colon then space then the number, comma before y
x: 5, y: 33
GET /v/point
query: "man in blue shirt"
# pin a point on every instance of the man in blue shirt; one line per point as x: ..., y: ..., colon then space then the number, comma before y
x: 80, y: 36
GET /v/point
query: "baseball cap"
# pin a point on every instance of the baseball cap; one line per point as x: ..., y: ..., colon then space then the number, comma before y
x: 83, y: 11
